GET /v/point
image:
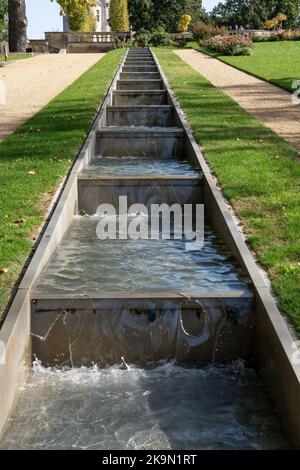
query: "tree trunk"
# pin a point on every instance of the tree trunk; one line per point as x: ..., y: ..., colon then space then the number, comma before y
x: 17, y: 25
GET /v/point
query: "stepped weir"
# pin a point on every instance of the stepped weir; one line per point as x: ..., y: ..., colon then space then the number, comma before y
x: 185, y: 318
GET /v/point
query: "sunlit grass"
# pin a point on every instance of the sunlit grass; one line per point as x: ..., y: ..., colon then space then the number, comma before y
x: 12, y: 57
x: 277, y: 62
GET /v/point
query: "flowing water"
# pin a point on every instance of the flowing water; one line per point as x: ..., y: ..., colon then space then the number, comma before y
x: 159, y: 406
x: 143, y: 166
x: 85, y: 263
x: 162, y: 407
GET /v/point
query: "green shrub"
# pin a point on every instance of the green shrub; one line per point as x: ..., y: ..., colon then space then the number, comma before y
x: 180, y: 41
x: 203, y: 31
x: 156, y: 37
x: 242, y: 50
x: 142, y: 38
x: 290, y: 35
x: 159, y: 37
x: 260, y: 38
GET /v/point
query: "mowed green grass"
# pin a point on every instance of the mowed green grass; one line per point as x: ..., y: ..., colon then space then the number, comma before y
x: 276, y: 62
x: 258, y: 171
x: 12, y: 57
x: 34, y: 160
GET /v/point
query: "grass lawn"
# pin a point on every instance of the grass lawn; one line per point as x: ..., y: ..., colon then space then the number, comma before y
x: 35, y: 159
x: 258, y: 171
x: 12, y: 57
x: 276, y: 62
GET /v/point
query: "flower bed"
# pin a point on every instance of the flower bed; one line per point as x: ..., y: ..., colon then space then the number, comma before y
x: 280, y: 35
x: 230, y: 45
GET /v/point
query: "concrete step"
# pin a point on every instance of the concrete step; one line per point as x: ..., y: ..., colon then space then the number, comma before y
x: 142, y: 329
x: 139, y: 76
x: 139, y: 142
x: 147, y: 116
x: 139, y: 53
x: 139, y: 56
x: 139, y: 49
x: 139, y: 85
x: 146, y: 68
x: 138, y: 63
x: 139, y: 97
x: 202, y: 270
x: 96, y: 190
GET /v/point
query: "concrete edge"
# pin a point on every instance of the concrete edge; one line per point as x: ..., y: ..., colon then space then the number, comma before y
x: 15, y: 359
x: 87, y: 296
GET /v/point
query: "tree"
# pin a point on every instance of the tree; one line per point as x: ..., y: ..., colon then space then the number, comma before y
x: 184, y: 23
x: 289, y: 8
x: 140, y: 14
x: 270, y: 24
x: 281, y: 18
x: 3, y: 20
x: 118, y: 15
x: 78, y: 12
x: 90, y: 23
x: 277, y: 21
x: 150, y: 14
x: 17, y: 26
x: 254, y: 13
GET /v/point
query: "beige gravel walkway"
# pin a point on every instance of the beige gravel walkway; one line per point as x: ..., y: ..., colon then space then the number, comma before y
x: 271, y: 105
x: 31, y: 83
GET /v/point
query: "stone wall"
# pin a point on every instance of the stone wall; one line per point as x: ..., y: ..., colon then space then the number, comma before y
x: 57, y: 41
x: 88, y: 48
x: 83, y: 42
x: 38, y: 46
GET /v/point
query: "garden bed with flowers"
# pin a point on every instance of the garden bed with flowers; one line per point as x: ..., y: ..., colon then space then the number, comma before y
x: 230, y: 45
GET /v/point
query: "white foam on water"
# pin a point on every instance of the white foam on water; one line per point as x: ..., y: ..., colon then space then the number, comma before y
x: 164, y: 406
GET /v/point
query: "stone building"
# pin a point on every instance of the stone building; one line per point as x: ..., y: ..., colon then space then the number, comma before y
x: 101, y: 11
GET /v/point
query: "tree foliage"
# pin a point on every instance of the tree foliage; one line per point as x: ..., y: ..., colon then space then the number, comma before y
x: 3, y: 19
x: 254, y: 13
x: 118, y: 15
x: 78, y: 12
x: 184, y: 23
x: 277, y: 21
x: 90, y: 23
x: 150, y: 14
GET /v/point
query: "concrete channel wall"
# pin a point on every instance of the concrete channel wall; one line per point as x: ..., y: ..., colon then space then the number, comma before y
x: 273, y: 347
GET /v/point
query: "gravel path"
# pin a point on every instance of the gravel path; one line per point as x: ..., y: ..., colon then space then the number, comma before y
x: 31, y: 83
x: 270, y: 104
